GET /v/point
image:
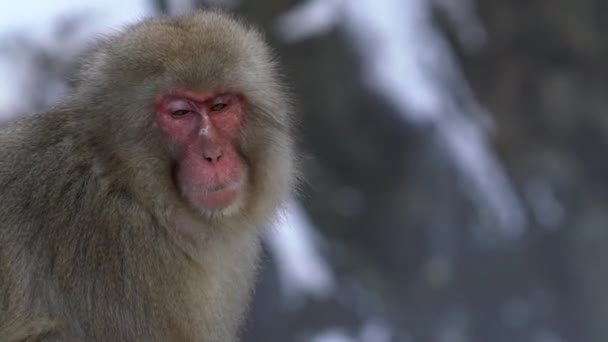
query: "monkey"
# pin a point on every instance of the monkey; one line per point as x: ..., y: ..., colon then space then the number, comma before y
x: 133, y: 210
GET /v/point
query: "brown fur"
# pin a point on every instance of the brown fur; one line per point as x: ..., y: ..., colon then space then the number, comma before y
x: 89, y: 214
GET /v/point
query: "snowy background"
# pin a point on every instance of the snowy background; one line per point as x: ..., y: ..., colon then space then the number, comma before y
x: 453, y: 155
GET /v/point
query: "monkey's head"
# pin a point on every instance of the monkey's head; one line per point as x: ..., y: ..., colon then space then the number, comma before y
x: 195, y: 115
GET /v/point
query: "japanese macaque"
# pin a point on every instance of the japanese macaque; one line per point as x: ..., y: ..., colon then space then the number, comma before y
x: 133, y: 210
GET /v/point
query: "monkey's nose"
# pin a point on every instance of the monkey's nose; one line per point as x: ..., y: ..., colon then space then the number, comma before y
x: 212, y: 154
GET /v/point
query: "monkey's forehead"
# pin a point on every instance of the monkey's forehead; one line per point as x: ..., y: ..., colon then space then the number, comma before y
x: 204, y: 49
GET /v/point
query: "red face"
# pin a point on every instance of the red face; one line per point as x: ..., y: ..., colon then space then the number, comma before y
x: 204, y: 128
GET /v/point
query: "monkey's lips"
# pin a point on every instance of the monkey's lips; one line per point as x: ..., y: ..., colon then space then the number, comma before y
x: 219, y: 197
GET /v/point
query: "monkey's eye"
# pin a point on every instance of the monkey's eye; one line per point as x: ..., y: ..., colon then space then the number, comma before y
x: 218, y: 106
x: 180, y: 112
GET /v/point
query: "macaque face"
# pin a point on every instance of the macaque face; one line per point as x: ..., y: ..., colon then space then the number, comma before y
x: 203, y: 130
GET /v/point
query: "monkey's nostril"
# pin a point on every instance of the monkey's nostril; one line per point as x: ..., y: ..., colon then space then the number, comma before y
x: 211, y: 151
x: 212, y: 156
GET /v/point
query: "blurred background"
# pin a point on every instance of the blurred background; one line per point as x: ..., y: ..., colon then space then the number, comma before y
x: 453, y: 151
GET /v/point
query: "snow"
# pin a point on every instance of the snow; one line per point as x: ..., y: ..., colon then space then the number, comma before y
x: 333, y: 335
x: 38, y: 17
x: 302, y: 269
x: 408, y: 62
x: 37, y: 22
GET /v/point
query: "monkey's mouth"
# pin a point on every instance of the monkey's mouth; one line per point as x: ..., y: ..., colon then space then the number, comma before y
x: 219, y: 196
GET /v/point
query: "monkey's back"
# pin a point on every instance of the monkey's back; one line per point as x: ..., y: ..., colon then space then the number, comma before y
x: 44, y: 187
x: 56, y: 267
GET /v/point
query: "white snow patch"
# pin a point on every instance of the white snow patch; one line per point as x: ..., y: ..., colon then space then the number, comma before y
x: 302, y: 269
x: 407, y: 61
x: 38, y: 22
x: 333, y: 335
